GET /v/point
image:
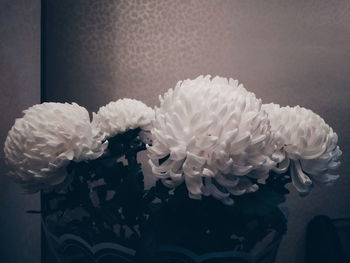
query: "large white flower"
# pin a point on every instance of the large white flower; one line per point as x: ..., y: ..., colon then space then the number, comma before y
x: 122, y: 115
x: 306, y: 143
x: 214, y: 137
x: 41, y: 144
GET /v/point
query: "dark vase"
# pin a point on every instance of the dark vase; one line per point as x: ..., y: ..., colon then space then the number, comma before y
x: 180, y: 231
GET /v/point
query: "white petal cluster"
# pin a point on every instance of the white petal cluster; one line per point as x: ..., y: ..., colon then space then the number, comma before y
x: 215, y: 137
x: 122, y: 115
x: 40, y: 145
x: 306, y: 143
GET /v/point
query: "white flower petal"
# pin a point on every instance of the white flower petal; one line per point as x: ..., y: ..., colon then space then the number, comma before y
x: 42, y: 143
x: 305, y: 138
x: 121, y: 115
x: 218, y: 130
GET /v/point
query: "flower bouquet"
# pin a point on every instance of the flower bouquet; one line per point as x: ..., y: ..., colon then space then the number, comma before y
x: 220, y: 161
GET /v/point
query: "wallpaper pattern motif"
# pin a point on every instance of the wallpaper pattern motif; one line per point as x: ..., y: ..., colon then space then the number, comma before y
x: 291, y: 52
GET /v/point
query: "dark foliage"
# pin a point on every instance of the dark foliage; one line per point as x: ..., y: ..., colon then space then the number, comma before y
x: 106, y: 202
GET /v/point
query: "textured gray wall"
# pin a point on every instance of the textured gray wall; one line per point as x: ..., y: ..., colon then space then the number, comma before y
x: 289, y: 52
x: 19, y: 89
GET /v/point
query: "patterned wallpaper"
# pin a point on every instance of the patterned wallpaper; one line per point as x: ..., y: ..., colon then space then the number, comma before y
x: 289, y: 52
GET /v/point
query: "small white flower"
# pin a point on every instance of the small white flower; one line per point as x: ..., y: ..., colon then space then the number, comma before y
x: 216, y: 136
x: 122, y: 115
x: 40, y: 145
x: 306, y: 143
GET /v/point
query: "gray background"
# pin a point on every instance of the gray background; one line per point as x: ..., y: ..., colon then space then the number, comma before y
x: 288, y: 52
x: 19, y: 89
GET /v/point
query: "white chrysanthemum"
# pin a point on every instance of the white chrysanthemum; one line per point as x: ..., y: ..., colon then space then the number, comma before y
x: 122, y: 115
x: 41, y: 144
x: 306, y: 143
x: 216, y: 136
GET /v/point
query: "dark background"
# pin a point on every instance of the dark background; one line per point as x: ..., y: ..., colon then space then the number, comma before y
x: 288, y: 52
x: 19, y: 89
